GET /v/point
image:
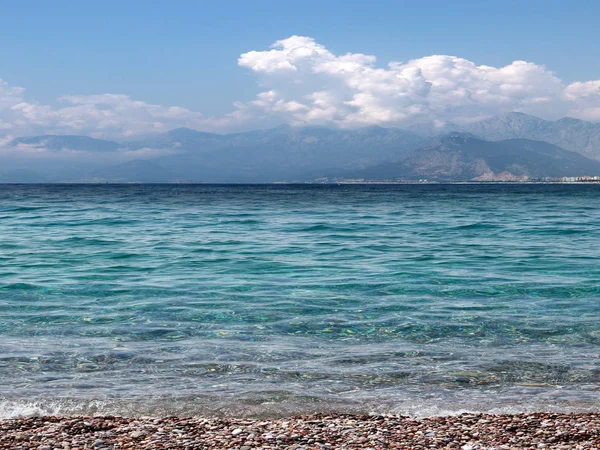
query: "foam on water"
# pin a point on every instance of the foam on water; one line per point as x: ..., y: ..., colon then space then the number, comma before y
x: 414, y: 404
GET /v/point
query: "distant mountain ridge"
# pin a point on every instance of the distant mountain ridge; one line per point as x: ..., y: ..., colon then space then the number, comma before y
x: 288, y: 153
x: 55, y: 142
x: 463, y: 157
x: 180, y: 138
x: 571, y: 134
x: 136, y: 171
x: 280, y: 153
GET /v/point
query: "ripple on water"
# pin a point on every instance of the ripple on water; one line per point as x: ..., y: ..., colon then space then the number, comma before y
x: 361, y: 297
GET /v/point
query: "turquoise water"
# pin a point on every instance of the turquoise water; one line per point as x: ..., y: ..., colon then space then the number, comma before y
x: 199, y: 299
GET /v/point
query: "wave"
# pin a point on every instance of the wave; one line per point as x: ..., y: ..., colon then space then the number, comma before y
x: 276, y: 404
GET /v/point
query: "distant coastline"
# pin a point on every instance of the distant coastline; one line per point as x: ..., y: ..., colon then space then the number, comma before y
x: 452, y: 182
x: 302, y: 183
x: 511, y: 147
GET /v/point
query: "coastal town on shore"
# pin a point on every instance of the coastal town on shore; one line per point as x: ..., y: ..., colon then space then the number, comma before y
x: 586, y: 179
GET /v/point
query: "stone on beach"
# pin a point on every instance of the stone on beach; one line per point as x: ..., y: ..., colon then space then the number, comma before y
x: 466, y: 432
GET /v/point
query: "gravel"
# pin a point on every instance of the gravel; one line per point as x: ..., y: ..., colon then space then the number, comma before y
x: 464, y: 432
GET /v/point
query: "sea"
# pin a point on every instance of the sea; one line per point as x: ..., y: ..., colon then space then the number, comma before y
x: 271, y: 300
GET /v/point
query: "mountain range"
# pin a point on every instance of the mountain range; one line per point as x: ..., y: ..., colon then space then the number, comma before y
x: 463, y: 157
x: 512, y: 146
x: 571, y: 134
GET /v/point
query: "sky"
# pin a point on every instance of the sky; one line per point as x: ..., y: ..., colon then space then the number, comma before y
x: 126, y: 69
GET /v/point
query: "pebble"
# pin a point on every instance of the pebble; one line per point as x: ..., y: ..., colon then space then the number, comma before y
x: 321, y: 431
x: 136, y: 434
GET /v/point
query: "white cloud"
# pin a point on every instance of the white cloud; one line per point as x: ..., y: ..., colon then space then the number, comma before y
x: 304, y: 83
x: 102, y: 116
x: 300, y: 71
x: 585, y: 97
x: 285, y: 55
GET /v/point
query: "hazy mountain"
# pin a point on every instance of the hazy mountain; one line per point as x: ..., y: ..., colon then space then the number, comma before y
x: 322, y: 147
x: 432, y: 129
x: 183, y: 139
x: 136, y: 171
x: 462, y: 157
x: 571, y: 134
x: 23, y: 176
x: 289, y: 153
x: 284, y: 153
x: 67, y: 142
x: 281, y: 153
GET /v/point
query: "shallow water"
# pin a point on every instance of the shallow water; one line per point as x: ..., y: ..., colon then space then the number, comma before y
x: 415, y: 299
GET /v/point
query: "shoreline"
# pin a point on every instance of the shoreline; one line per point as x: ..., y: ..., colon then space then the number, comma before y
x: 309, y: 183
x: 319, y: 431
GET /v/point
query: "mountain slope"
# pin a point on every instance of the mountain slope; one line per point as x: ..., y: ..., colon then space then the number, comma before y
x: 286, y: 153
x: 571, y: 134
x: 183, y: 139
x: 136, y: 171
x: 289, y: 153
x: 67, y: 142
x: 23, y: 176
x: 281, y: 153
x: 460, y: 157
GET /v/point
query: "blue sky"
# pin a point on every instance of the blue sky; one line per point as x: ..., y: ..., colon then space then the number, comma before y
x: 185, y: 53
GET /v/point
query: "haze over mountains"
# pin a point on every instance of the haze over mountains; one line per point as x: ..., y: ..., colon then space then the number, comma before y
x: 571, y: 134
x: 527, y: 147
x: 459, y: 156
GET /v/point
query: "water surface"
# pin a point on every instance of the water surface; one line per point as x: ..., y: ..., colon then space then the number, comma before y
x: 420, y: 299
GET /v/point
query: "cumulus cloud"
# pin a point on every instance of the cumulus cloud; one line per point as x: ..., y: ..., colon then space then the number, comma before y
x: 102, y: 116
x: 311, y: 85
x: 304, y: 83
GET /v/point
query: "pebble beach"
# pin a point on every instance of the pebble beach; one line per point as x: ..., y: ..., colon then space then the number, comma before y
x: 465, y: 432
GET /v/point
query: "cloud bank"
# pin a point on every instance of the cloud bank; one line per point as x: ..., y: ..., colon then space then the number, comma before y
x: 308, y: 84
x: 303, y: 83
x: 102, y: 116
